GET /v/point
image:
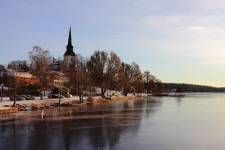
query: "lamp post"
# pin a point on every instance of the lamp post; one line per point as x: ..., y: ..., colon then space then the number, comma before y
x: 1, y: 91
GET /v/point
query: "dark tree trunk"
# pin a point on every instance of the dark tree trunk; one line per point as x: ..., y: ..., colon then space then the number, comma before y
x: 14, y: 100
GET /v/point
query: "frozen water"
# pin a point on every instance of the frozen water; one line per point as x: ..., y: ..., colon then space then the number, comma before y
x: 194, y: 122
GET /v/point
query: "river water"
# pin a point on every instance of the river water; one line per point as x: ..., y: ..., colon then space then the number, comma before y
x: 195, y: 122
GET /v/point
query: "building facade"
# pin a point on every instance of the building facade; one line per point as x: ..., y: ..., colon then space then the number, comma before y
x: 11, y: 77
x: 57, y: 79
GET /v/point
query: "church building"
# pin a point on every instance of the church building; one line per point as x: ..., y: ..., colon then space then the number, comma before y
x: 69, y: 55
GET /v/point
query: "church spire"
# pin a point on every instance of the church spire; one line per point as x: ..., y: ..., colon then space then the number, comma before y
x: 69, y: 47
x: 69, y: 39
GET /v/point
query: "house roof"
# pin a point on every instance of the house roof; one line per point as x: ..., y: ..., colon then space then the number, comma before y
x: 14, y: 73
x: 57, y: 73
x: 55, y: 65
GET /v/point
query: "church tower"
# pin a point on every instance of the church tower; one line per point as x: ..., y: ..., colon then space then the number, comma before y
x: 69, y: 55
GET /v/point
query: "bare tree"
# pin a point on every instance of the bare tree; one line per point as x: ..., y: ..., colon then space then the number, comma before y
x: 40, y: 61
x: 128, y: 74
x: 97, y: 69
x: 153, y: 78
x: 152, y: 85
x: 12, y: 79
x: 61, y: 85
x: 146, y: 78
x: 79, y: 78
x: 21, y: 65
x: 2, y: 68
x: 103, y: 70
x: 113, y: 68
x: 160, y: 87
x: 138, y: 86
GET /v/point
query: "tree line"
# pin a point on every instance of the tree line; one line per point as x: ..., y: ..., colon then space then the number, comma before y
x: 101, y: 69
x: 193, y: 87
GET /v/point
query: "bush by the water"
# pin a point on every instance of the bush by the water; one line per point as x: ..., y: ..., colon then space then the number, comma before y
x: 90, y: 99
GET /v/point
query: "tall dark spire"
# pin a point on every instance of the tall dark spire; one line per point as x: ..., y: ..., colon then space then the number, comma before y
x: 69, y: 39
x: 69, y: 47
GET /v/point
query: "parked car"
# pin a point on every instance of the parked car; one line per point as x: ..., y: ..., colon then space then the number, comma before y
x: 68, y: 95
x: 18, y: 98
x: 31, y: 97
x: 26, y: 97
x: 55, y: 96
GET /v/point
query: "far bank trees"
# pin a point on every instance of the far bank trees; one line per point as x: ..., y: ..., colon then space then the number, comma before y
x: 102, y: 69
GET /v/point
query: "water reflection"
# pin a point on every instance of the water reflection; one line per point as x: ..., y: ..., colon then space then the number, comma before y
x: 89, y: 127
x: 178, y: 100
x: 153, y: 123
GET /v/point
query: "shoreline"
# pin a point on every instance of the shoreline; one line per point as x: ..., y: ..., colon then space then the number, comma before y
x: 7, y: 108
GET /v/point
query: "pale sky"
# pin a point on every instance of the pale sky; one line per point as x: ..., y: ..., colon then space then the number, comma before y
x: 178, y: 41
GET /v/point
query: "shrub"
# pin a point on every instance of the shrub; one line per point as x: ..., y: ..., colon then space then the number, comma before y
x: 90, y: 99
